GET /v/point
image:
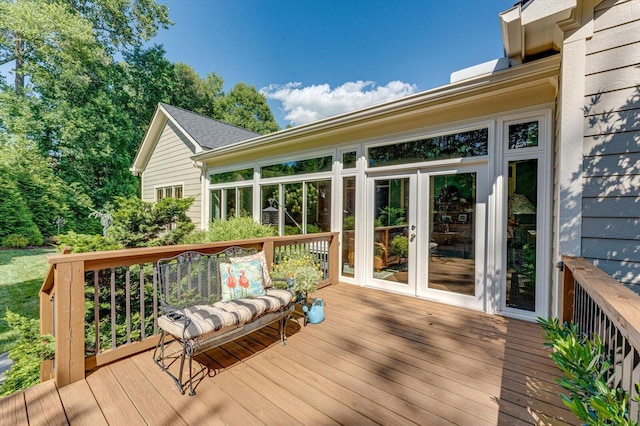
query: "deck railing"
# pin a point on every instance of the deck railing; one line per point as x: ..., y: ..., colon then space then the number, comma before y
x: 103, y: 306
x: 599, y: 305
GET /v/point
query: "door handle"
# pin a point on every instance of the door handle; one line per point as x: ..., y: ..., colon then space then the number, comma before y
x: 412, y: 236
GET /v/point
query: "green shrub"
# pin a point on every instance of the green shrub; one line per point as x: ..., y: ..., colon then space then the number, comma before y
x: 15, y: 241
x: 399, y: 246
x: 585, y: 366
x: 27, y: 354
x: 235, y: 228
x: 137, y: 223
x: 300, y: 266
x: 81, y: 243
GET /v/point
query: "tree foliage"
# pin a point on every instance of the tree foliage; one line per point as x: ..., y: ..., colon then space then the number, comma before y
x: 85, y: 89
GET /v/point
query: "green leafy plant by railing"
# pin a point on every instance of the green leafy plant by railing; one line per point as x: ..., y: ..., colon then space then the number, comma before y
x: 300, y: 266
x: 585, y: 366
x: 29, y: 351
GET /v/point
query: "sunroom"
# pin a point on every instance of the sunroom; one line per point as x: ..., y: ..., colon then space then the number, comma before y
x: 444, y: 195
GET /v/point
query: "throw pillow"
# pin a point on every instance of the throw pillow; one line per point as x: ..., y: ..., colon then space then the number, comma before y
x: 266, y: 278
x: 241, y: 280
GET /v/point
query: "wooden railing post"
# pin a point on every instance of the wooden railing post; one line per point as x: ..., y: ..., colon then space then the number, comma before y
x: 69, y: 322
x: 334, y: 256
x: 46, y: 327
x: 269, y: 251
x: 568, y: 290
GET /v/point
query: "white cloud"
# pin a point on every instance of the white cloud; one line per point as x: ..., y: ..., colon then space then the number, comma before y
x: 304, y: 104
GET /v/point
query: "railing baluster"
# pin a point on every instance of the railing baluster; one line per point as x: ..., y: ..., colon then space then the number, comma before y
x: 143, y: 330
x: 155, y: 299
x: 113, y: 308
x: 96, y: 308
x: 127, y: 302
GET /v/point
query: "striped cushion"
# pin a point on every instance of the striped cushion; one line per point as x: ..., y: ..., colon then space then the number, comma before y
x: 204, y: 319
x: 276, y: 299
x: 245, y: 309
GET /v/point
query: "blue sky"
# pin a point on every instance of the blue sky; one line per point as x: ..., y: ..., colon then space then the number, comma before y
x: 314, y: 59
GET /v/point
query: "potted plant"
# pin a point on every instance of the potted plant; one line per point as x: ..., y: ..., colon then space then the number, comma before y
x: 301, y: 271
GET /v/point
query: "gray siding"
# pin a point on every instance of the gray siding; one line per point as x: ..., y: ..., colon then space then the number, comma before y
x: 170, y: 164
x: 611, y: 192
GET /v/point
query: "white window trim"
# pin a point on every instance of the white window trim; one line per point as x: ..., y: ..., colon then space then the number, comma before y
x: 164, y: 186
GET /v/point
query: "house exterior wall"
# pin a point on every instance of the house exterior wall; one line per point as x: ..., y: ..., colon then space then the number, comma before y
x: 611, y: 143
x: 170, y: 164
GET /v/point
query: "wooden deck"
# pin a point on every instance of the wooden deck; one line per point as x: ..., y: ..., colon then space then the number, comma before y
x: 378, y: 358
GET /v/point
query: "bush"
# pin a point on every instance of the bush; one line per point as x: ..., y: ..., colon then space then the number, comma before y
x: 15, y: 241
x: 300, y: 266
x: 236, y: 228
x: 585, y: 367
x: 399, y: 246
x: 30, y: 350
x: 137, y: 223
x: 81, y: 243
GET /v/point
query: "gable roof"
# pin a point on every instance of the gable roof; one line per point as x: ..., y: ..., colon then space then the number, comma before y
x: 207, y: 132
x: 202, y: 133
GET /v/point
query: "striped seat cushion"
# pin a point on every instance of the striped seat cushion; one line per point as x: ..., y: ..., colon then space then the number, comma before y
x: 276, y: 299
x: 245, y: 309
x: 224, y: 316
x: 204, y: 319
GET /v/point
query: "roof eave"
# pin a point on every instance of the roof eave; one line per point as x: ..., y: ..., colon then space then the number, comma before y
x: 441, y: 94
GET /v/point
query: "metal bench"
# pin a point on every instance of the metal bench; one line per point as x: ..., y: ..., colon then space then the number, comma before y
x: 194, y: 316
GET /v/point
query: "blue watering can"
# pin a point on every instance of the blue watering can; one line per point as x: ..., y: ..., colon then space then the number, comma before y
x: 315, y: 314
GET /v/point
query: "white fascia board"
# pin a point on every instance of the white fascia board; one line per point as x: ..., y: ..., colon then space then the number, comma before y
x: 511, y: 29
x: 160, y: 117
x: 148, y: 141
x: 553, y: 10
x: 184, y: 132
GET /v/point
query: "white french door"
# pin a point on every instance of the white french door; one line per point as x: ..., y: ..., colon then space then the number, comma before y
x: 391, y: 239
x: 426, y: 234
x: 452, y: 232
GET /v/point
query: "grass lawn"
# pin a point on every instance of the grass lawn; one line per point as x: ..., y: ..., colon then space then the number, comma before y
x: 21, y: 276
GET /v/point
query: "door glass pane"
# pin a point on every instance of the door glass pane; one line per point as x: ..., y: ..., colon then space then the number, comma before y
x: 318, y: 206
x: 269, y: 200
x: 230, y: 202
x: 521, y: 234
x: 293, y: 205
x: 216, y: 205
x: 348, y: 226
x: 245, y: 197
x: 391, y: 242
x: 451, y: 244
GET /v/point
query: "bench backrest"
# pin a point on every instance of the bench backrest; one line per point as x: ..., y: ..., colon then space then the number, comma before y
x: 193, y: 278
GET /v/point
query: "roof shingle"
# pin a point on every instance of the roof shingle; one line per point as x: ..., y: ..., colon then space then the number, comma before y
x: 207, y: 132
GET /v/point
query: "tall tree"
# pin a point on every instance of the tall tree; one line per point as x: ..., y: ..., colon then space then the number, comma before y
x: 244, y: 106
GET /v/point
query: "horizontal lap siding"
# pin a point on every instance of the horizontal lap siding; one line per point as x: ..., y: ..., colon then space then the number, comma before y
x: 170, y: 163
x: 611, y: 192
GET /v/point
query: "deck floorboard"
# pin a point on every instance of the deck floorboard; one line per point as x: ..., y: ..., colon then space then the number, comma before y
x: 378, y: 358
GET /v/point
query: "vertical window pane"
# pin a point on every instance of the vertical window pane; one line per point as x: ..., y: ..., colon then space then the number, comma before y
x: 318, y: 206
x: 168, y: 192
x: 521, y: 234
x: 216, y: 205
x: 159, y: 193
x: 349, y: 160
x: 177, y: 192
x: 293, y: 205
x: 523, y: 135
x: 348, y: 226
x: 230, y: 202
x: 245, y: 196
